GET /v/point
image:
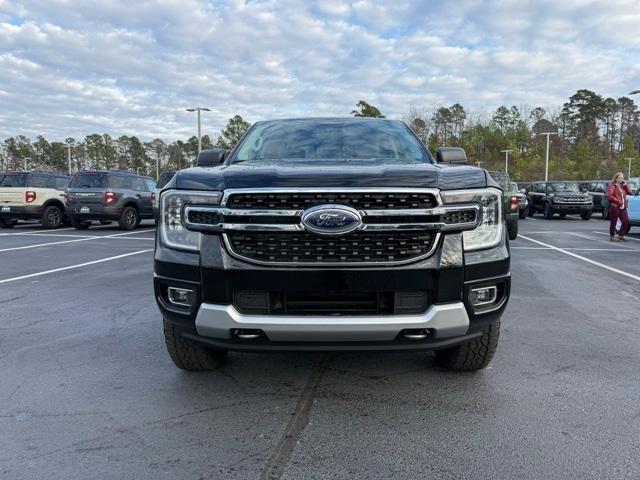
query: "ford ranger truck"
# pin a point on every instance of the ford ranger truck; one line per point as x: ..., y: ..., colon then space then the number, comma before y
x: 331, y: 235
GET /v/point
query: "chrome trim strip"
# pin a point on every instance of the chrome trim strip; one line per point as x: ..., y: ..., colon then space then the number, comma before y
x: 434, y: 245
x: 444, y: 320
x: 371, y: 214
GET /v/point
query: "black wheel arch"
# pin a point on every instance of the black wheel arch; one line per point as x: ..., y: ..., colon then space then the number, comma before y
x: 54, y: 202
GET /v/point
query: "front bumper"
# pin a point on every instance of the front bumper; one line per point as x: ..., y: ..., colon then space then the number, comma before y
x: 447, y: 277
x: 443, y: 321
x: 568, y: 208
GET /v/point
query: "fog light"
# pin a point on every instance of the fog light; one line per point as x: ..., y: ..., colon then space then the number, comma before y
x: 484, y: 295
x: 180, y: 296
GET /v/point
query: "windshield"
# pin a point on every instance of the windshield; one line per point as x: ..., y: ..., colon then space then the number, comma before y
x: 514, y: 186
x: 165, y: 177
x: 563, y: 187
x: 13, y: 180
x: 316, y: 140
x: 89, y: 180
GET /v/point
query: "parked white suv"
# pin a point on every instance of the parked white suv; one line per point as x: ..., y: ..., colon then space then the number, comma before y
x: 32, y: 196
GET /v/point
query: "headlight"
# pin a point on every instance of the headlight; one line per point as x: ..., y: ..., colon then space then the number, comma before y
x: 172, y: 203
x: 488, y: 233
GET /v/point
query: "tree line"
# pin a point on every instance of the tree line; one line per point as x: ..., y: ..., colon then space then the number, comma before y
x: 102, y: 151
x: 592, y: 137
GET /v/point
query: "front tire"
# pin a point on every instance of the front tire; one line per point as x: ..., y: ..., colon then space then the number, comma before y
x: 523, y: 214
x: 189, y: 355
x: 51, y: 217
x: 472, y: 356
x: 548, y: 212
x: 129, y: 218
x: 605, y: 213
x: 586, y: 215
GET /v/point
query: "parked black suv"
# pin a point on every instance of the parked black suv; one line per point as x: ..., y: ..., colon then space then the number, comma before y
x: 598, y: 191
x: 331, y: 234
x: 109, y: 195
x: 559, y: 197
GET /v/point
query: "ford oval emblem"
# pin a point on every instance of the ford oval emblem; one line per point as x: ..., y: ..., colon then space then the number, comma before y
x: 331, y: 219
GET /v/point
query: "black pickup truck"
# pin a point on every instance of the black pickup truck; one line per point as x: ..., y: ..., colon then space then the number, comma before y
x: 331, y: 234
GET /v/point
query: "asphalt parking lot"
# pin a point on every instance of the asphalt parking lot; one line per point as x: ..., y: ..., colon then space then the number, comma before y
x: 88, y: 391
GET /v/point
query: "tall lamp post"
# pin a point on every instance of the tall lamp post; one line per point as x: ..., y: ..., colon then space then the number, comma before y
x: 629, y: 171
x: 546, y: 158
x: 68, y: 155
x: 478, y: 164
x: 199, y: 109
x: 506, y: 159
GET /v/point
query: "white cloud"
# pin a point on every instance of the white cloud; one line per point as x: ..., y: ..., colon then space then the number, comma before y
x: 122, y: 67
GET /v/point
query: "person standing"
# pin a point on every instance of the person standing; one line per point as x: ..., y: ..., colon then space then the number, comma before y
x: 617, y: 195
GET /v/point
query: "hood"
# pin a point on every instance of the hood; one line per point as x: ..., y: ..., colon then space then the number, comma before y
x: 241, y: 175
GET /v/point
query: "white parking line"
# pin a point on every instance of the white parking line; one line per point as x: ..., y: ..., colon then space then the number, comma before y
x: 81, y: 236
x: 33, y: 233
x: 578, y: 249
x: 584, y: 259
x: 12, y: 249
x: 71, y: 267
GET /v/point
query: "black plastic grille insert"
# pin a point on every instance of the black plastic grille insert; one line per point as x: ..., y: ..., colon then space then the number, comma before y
x: 306, y: 248
x: 357, y: 200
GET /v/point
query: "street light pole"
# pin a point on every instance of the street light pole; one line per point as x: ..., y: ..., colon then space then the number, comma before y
x: 546, y: 158
x: 629, y: 171
x: 506, y: 159
x: 479, y: 163
x: 68, y: 155
x: 199, y: 109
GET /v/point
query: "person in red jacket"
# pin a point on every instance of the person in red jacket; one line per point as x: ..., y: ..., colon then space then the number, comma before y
x: 617, y: 195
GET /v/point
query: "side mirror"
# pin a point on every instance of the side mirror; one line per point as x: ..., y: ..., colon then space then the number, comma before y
x: 210, y: 157
x: 451, y: 155
x: 523, y: 190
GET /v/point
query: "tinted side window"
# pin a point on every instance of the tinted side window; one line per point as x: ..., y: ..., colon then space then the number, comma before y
x: 61, y: 183
x: 37, y: 180
x: 137, y: 184
x: 150, y: 185
x: 51, y: 182
x: 165, y: 177
x: 116, y: 181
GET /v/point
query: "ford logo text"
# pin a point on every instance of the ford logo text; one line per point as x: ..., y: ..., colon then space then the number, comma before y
x: 331, y: 219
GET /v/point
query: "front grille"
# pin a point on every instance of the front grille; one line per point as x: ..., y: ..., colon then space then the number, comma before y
x: 357, y: 200
x: 307, y: 248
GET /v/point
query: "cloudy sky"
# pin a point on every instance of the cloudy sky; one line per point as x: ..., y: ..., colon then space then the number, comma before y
x: 70, y: 68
